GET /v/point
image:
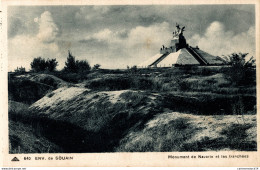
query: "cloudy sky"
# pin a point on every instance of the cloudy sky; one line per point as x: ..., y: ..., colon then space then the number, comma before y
x: 117, y: 36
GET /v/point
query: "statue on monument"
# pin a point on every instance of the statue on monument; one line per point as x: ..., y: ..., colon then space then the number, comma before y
x: 179, y: 31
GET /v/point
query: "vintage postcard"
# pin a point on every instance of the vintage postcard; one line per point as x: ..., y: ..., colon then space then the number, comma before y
x: 130, y: 83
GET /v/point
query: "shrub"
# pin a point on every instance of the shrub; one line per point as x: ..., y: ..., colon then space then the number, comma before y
x: 40, y: 64
x: 70, y: 64
x: 241, y: 71
x: 133, y: 69
x: 239, y: 60
x: 51, y: 64
x: 96, y: 66
x: 76, y: 66
x: 20, y: 70
x: 82, y: 66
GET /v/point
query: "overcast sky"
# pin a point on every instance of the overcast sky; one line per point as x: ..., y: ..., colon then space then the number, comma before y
x: 117, y: 36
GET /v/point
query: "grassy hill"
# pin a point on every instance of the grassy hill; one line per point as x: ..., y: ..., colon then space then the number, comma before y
x: 135, y: 110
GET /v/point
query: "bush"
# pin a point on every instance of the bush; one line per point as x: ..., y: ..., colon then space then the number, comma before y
x: 239, y: 60
x: 40, y: 64
x: 20, y: 70
x: 76, y: 66
x: 133, y: 69
x: 70, y: 64
x: 82, y: 66
x: 51, y: 64
x: 241, y: 71
x: 96, y: 66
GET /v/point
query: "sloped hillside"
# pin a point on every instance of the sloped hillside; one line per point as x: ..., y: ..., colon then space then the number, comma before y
x: 24, y: 135
x: 138, y: 121
x: 186, y: 132
x: 45, y: 79
x: 29, y: 88
x: 24, y: 139
x: 148, y: 110
x: 103, y: 117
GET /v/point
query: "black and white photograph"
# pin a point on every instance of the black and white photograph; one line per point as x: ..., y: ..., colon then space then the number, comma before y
x: 132, y: 78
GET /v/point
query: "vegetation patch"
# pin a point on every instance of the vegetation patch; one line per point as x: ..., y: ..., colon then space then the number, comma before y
x: 27, y: 91
x: 186, y: 132
x: 131, y: 110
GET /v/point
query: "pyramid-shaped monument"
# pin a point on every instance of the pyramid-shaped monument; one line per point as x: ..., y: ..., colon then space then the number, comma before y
x: 180, y: 53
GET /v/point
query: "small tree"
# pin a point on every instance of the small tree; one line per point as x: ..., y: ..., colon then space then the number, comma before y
x: 20, y: 70
x: 74, y: 66
x: 70, y: 64
x: 38, y: 64
x: 82, y: 66
x: 239, y: 60
x: 51, y: 64
x: 96, y: 66
x: 134, y: 69
x: 241, y: 69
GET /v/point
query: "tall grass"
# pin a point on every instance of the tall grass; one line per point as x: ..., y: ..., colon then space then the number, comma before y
x: 160, y: 138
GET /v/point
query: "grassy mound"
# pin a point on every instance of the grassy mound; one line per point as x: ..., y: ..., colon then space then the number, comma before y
x: 29, y: 88
x: 186, y: 132
x: 103, y: 117
x: 171, y: 80
x: 108, y: 121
